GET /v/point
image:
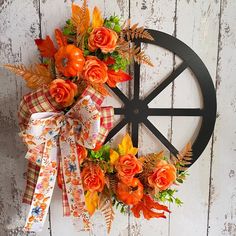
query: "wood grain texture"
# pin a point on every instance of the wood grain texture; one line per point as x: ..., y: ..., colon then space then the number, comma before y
x: 195, y: 31
x: 222, y: 208
x: 159, y: 15
x: 209, y: 194
x: 19, y: 26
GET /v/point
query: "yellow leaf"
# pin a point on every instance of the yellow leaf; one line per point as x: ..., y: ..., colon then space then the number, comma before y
x: 97, y: 18
x: 113, y: 156
x: 126, y: 146
x: 91, y: 201
x: 80, y: 17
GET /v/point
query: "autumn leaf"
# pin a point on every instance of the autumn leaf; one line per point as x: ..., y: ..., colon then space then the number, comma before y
x: 97, y: 20
x: 60, y: 38
x: 150, y: 208
x: 126, y: 146
x: 91, y: 201
x: 80, y: 17
x: 115, y: 77
x: 46, y: 47
x: 35, y: 76
x: 113, y: 156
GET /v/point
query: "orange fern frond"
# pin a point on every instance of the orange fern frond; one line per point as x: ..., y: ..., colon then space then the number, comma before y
x: 35, y: 77
x: 80, y: 17
x: 135, y: 32
x: 183, y: 159
x: 105, y: 206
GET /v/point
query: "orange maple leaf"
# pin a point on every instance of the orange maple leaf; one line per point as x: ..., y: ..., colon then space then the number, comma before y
x: 60, y: 38
x: 148, y: 207
x: 115, y: 77
x: 46, y: 47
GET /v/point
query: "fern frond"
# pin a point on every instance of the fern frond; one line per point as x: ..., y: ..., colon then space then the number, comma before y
x: 135, y: 32
x: 183, y: 158
x: 113, y: 183
x: 149, y: 163
x: 35, y: 76
x: 139, y: 56
x: 80, y: 17
x: 105, y: 206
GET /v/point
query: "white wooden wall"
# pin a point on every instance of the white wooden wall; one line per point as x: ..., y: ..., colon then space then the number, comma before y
x: 209, y: 28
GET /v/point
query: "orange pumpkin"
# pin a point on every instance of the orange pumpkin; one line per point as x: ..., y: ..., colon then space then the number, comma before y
x: 130, y: 194
x: 69, y: 60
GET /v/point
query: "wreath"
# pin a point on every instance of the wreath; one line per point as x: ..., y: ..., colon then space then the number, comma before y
x: 64, y: 126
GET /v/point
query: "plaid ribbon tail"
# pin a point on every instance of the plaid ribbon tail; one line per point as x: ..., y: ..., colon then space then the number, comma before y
x: 41, y: 101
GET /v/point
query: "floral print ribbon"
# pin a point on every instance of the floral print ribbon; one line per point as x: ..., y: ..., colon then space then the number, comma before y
x: 52, y: 138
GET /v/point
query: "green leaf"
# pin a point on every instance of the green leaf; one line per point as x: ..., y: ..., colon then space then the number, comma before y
x: 102, y: 154
x: 66, y: 31
x: 179, y: 181
x: 178, y: 202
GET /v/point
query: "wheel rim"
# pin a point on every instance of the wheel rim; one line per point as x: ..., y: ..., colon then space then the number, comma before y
x: 132, y: 108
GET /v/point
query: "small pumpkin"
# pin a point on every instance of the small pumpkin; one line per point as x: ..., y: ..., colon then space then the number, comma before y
x: 69, y: 60
x: 130, y: 193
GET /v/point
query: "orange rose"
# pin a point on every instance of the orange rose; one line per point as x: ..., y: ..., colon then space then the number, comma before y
x: 63, y: 91
x: 127, y: 167
x: 93, y: 178
x: 95, y: 70
x: 163, y: 176
x: 102, y: 38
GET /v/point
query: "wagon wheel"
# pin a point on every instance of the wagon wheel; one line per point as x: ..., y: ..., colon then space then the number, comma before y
x: 136, y: 111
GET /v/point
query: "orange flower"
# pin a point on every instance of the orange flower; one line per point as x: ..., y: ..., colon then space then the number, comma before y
x: 127, y: 167
x: 147, y: 206
x: 95, y: 70
x: 63, y: 91
x: 163, y: 176
x: 130, y: 193
x: 93, y: 178
x: 69, y: 60
x: 102, y: 38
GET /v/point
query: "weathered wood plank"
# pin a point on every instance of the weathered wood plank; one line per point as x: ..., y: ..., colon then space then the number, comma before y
x: 195, y: 30
x: 158, y: 15
x: 19, y: 26
x: 222, y: 209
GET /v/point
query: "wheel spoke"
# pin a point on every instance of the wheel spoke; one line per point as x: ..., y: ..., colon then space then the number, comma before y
x: 116, y: 129
x: 119, y: 111
x: 175, y: 112
x: 120, y: 95
x: 137, y: 76
x: 135, y: 127
x: 161, y: 137
x: 166, y: 82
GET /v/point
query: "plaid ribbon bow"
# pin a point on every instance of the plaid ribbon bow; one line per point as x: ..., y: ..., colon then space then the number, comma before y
x: 40, y: 101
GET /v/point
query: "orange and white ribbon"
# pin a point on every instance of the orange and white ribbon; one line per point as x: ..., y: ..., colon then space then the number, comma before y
x: 52, y: 138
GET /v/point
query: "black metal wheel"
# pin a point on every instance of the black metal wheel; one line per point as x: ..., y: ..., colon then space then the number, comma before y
x: 136, y: 110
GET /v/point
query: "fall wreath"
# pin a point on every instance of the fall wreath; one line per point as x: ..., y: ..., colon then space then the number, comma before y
x: 64, y: 126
